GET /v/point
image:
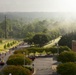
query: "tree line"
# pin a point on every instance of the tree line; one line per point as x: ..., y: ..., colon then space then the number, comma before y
x: 20, y: 29
x: 66, y: 40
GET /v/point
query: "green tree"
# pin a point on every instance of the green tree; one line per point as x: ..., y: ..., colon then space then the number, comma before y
x: 67, y: 57
x: 5, y: 46
x: 8, y: 44
x: 67, y: 69
x: 15, y: 70
x: 66, y: 40
x: 40, y: 39
x: 18, y: 59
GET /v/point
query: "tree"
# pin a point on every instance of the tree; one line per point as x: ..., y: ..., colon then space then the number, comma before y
x: 15, y: 70
x: 66, y: 40
x: 8, y: 44
x: 64, y: 48
x: 5, y: 46
x: 1, y: 41
x: 67, y: 69
x: 60, y: 48
x: 40, y: 39
x: 67, y: 57
x: 18, y: 59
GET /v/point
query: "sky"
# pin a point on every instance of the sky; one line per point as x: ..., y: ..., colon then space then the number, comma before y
x: 37, y: 5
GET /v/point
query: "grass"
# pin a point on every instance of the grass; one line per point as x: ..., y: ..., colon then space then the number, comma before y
x: 2, y: 50
x: 5, y: 42
x: 52, y: 43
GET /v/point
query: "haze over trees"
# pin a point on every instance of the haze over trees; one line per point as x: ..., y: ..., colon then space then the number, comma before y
x: 17, y: 29
x: 27, y: 24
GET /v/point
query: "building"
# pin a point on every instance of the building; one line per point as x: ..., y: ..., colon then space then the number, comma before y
x: 74, y: 45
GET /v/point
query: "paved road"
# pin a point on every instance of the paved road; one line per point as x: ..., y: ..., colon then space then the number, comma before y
x: 5, y: 56
x: 44, y: 66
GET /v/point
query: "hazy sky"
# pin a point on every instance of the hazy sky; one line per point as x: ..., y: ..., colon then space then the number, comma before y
x: 38, y: 5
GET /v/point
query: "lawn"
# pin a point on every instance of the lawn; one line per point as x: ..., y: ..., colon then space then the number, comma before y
x: 2, y: 50
x: 52, y: 43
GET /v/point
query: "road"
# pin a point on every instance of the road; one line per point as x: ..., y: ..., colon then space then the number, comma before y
x: 5, y: 56
x: 44, y: 66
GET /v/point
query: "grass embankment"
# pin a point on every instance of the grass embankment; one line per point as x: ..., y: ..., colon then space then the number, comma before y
x: 52, y: 43
x: 2, y: 50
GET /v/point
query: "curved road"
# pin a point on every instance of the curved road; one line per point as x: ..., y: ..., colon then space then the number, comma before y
x: 5, y: 56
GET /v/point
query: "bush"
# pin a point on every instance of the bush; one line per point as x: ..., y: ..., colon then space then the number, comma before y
x: 29, y: 68
x: 15, y: 70
x: 18, y: 59
x: 0, y: 40
x: 14, y: 42
x: 64, y: 48
x: 21, y: 51
x: 11, y: 44
x: 5, y: 46
x: 67, y: 69
x: 60, y: 48
x: 8, y: 44
x: 67, y: 57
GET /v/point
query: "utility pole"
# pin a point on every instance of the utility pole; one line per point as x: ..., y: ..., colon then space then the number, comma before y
x: 24, y: 58
x: 57, y: 49
x: 5, y: 28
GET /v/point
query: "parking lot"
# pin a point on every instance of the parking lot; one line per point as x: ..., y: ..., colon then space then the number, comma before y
x: 44, y: 66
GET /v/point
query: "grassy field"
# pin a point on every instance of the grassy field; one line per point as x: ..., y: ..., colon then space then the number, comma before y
x: 2, y: 50
x: 52, y: 43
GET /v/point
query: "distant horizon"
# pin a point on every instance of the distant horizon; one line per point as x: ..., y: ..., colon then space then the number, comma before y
x: 40, y: 15
x: 37, y: 5
x: 34, y: 12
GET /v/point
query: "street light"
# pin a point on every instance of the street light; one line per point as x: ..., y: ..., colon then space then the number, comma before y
x: 57, y: 49
x: 33, y: 66
x: 24, y: 58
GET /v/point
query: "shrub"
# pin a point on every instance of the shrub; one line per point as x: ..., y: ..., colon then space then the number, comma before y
x: 60, y: 48
x: 5, y: 46
x: 21, y: 51
x: 15, y: 70
x: 67, y: 57
x: 11, y: 44
x: 0, y: 40
x: 30, y: 68
x: 18, y: 59
x: 67, y: 69
x: 8, y: 44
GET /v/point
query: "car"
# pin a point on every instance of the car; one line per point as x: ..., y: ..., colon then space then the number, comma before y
x: 2, y: 63
x: 32, y: 58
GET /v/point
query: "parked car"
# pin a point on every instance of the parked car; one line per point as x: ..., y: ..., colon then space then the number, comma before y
x: 32, y: 58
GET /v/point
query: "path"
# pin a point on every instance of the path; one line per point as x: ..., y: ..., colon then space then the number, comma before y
x: 43, y: 66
